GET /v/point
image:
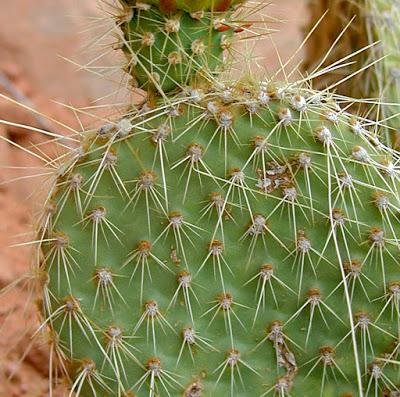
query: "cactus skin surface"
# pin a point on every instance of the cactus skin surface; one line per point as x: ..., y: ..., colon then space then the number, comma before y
x: 167, y: 52
x: 224, y: 239
x: 215, y: 234
x: 188, y: 5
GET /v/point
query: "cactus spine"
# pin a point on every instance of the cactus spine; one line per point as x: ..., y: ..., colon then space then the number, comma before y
x: 374, y: 27
x: 224, y: 238
x: 165, y: 51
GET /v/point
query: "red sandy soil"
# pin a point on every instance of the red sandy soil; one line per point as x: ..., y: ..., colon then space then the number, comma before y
x: 34, y: 36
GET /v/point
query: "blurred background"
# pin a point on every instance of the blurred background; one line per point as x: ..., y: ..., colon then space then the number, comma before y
x: 42, y: 42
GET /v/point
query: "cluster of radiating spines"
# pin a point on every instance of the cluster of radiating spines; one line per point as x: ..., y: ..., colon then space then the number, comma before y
x: 380, y: 19
x: 168, y: 6
x: 356, y: 220
x: 168, y: 50
x: 365, y: 31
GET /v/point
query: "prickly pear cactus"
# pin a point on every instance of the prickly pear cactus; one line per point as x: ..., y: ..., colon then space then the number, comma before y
x: 224, y: 240
x: 165, y: 51
x: 168, y: 6
x: 352, y: 26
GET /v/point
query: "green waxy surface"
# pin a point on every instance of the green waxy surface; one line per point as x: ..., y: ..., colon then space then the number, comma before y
x: 131, y: 218
x: 190, y: 5
x: 168, y: 52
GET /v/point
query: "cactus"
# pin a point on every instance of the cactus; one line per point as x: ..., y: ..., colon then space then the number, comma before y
x: 225, y: 238
x: 165, y: 51
x: 373, y: 27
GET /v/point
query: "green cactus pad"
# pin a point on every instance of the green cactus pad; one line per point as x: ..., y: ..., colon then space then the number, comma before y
x: 188, y: 5
x: 226, y: 242
x: 168, y: 52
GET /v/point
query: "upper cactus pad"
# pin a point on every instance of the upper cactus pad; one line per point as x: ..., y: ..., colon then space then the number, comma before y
x: 188, y: 5
x: 168, y: 52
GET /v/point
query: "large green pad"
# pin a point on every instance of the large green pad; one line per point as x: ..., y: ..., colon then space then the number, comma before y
x: 227, y: 242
